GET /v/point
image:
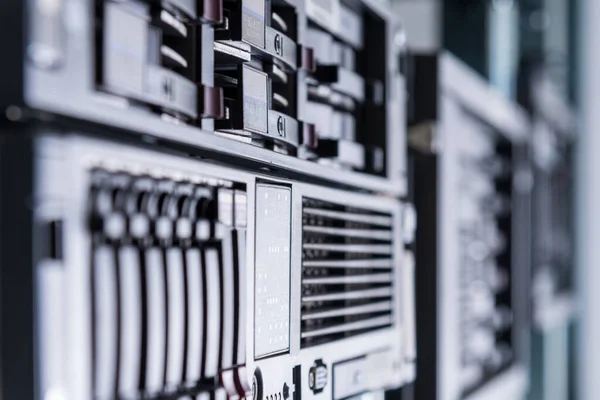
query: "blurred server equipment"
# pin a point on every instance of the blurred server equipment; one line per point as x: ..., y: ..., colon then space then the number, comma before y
x: 150, y: 275
x: 471, y: 186
x: 552, y: 144
x: 304, y: 86
x: 552, y: 285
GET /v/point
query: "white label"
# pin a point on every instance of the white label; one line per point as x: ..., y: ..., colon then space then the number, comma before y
x: 272, y: 276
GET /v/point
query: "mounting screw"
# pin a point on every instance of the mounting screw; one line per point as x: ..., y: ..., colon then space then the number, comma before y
x: 281, y: 126
x: 14, y: 113
x: 278, y: 43
x: 168, y: 88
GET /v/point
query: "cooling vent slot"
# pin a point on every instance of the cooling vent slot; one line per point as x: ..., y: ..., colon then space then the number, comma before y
x: 347, y: 261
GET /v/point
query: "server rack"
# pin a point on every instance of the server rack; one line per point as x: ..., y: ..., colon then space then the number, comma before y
x: 203, y: 199
x: 471, y: 190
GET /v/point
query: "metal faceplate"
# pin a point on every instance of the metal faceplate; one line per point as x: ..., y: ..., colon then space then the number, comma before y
x: 273, y: 364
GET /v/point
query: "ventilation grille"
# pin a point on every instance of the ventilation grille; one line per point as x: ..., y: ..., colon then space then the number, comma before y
x: 347, y: 261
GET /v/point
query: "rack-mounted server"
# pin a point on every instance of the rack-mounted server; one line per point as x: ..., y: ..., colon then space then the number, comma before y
x: 303, y: 86
x: 471, y: 184
x: 142, y: 274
